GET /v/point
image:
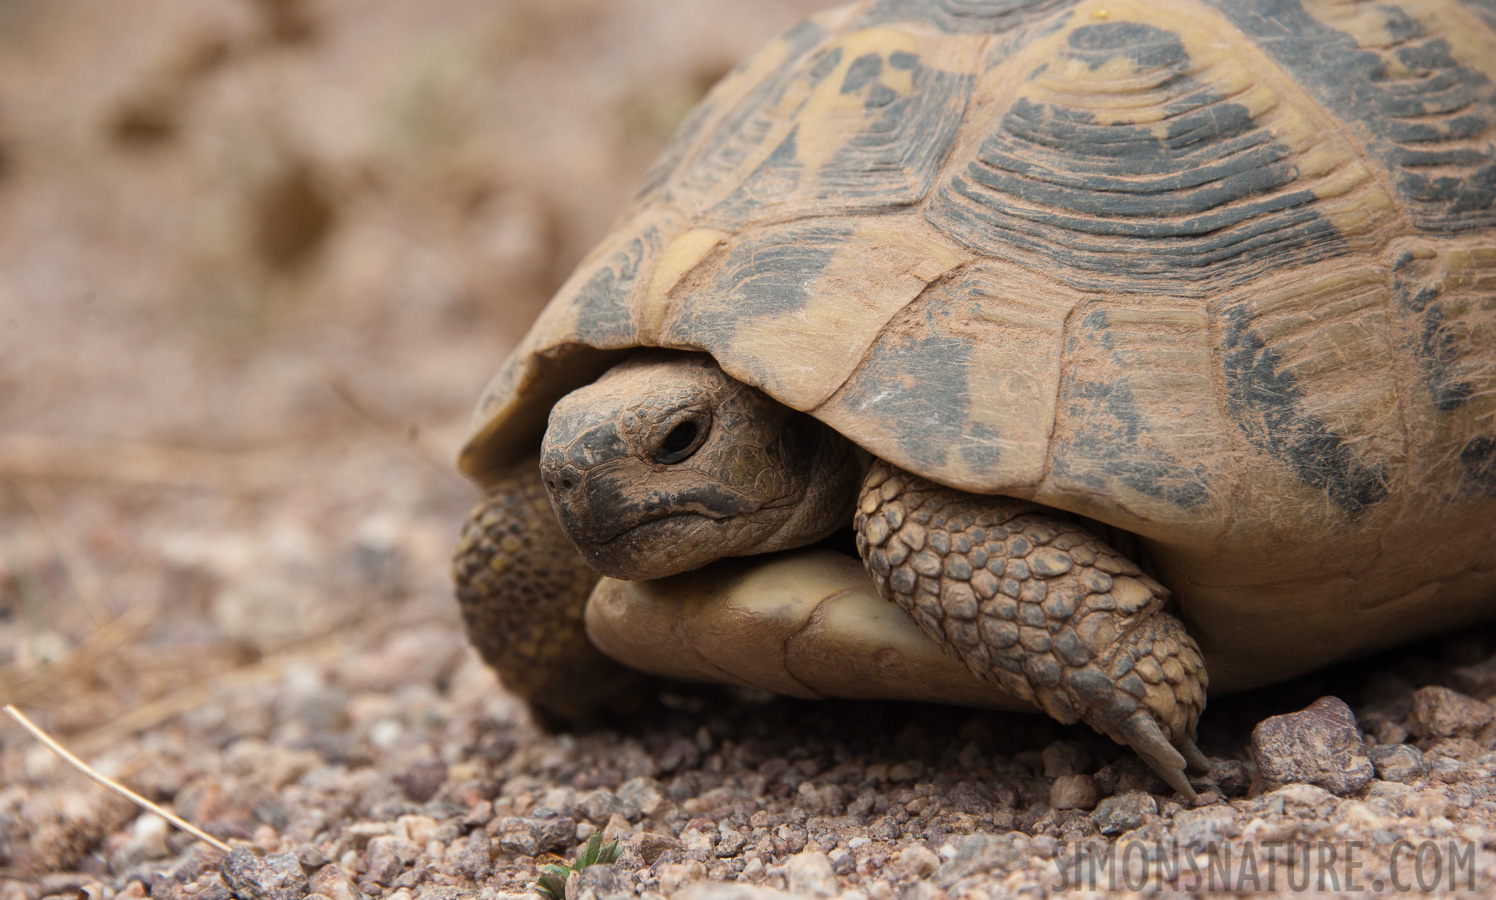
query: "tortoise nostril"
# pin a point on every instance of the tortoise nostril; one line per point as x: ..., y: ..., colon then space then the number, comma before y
x: 567, y: 484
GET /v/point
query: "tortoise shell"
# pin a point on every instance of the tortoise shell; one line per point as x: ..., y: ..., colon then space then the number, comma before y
x: 1221, y: 273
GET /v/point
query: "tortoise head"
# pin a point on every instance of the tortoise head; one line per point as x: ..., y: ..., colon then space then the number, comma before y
x: 667, y: 463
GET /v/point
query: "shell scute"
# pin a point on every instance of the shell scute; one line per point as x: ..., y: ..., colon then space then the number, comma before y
x: 864, y: 128
x: 1148, y: 150
x: 1412, y: 80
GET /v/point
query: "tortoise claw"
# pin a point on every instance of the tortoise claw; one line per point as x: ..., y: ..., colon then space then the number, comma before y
x: 1144, y: 736
x: 1192, y: 755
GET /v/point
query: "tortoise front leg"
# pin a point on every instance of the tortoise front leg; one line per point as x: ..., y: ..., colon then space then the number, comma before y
x: 1030, y: 600
x: 523, y: 590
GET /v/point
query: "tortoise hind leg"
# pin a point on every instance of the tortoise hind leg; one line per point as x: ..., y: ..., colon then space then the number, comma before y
x: 523, y: 591
x: 1030, y: 600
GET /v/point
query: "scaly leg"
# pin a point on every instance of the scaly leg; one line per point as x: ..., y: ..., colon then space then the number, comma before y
x: 1030, y: 600
x: 523, y: 590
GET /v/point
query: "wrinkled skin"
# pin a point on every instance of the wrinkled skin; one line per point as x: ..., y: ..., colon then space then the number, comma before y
x: 666, y: 463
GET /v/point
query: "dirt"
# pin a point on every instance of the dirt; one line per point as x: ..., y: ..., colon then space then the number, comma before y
x: 257, y: 260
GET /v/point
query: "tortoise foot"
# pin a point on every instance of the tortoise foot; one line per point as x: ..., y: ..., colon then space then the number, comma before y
x: 1031, y: 600
x: 523, y: 591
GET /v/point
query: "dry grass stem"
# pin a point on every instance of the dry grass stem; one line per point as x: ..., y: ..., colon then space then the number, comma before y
x: 78, y: 670
x: 111, y: 784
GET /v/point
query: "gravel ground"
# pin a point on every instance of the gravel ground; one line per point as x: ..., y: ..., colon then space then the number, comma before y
x: 256, y: 261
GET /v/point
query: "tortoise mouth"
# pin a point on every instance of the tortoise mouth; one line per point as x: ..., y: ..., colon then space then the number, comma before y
x: 664, y: 544
x: 607, y: 532
x: 655, y: 521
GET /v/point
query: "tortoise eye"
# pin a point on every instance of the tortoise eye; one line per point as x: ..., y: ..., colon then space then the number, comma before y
x: 680, y: 443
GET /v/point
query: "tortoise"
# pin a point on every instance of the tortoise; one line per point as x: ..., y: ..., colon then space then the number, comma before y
x: 1133, y: 340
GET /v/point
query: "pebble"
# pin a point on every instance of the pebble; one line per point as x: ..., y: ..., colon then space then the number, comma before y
x: 980, y: 853
x: 1319, y: 745
x: 601, y: 805
x: 1073, y: 792
x: 973, y: 799
x: 276, y: 877
x: 641, y: 797
x: 599, y: 881
x: 811, y: 872
x: 1231, y: 776
x: 1203, y: 827
x: 917, y: 861
x: 422, y: 779
x: 1065, y: 758
x: 147, y: 841
x: 1397, y: 762
x: 650, y: 846
x: 1445, y: 769
x: 527, y: 836
x: 1439, y: 712
x: 389, y: 856
x: 332, y: 882
x: 674, y: 876
x: 1123, y: 812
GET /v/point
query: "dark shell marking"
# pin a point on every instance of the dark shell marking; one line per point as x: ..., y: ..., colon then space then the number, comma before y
x: 1198, y: 262
x: 1428, y: 118
x: 1206, y: 193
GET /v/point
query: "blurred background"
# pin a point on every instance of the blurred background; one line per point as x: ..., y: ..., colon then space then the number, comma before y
x: 257, y: 260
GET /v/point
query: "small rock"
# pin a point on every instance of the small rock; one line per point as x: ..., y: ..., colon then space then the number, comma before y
x: 594, y: 881
x: 923, y: 890
x: 702, y: 841
x: 1318, y: 745
x: 972, y: 799
x: 1398, y: 762
x: 601, y: 805
x: 674, y: 876
x: 979, y: 853
x: 528, y: 836
x: 730, y: 844
x: 1073, y: 792
x: 617, y: 829
x: 1445, y: 769
x: 310, y: 857
x: 422, y: 779
x: 1203, y: 827
x: 1300, y: 800
x: 1441, y: 712
x: 810, y: 872
x: 1129, y: 773
x: 1230, y: 775
x: 1065, y: 758
x: 1123, y: 812
x: 474, y: 856
x: 388, y: 857
x: 277, y: 877
x: 641, y: 797
x: 332, y: 882
x: 917, y: 861
x: 650, y: 846
x: 1043, y: 846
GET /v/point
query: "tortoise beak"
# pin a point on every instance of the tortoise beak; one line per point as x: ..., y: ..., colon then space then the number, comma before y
x: 597, y: 505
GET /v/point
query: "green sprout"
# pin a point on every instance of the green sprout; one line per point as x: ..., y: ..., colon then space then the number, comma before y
x: 552, y: 882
